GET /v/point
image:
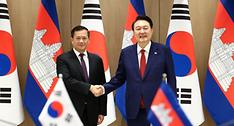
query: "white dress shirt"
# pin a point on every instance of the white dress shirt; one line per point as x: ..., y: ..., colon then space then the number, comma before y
x: 147, y: 49
x: 85, y: 57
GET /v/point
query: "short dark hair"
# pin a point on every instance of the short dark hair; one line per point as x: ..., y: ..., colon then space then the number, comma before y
x: 79, y: 28
x: 145, y: 18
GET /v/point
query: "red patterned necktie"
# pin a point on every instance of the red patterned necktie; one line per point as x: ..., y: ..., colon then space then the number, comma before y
x: 142, y: 70
x: 84, y: 67
x: 143, y: 63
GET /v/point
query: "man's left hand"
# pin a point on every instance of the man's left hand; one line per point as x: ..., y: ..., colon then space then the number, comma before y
x: 100, y: 119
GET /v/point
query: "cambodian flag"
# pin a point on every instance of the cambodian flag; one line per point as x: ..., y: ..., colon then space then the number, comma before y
x: 46, y: 46
x: 219, y: 83
x: 165, y: 110
x: 135, y: 8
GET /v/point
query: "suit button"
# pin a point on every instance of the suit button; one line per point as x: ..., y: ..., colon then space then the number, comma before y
x: 85, y: 103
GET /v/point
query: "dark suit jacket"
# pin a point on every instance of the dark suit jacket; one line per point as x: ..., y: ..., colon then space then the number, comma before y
x: 69, y: 65
x: 159, y: 62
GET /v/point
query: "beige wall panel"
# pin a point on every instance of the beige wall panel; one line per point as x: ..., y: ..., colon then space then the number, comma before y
x: 202, y: 17
x: 165, y: 15
x: 152, y: 9
x: 64, y: 17
x: 22, y: 17
x: 23, y: 14
x: 114, y: 15
x: 76, y: 12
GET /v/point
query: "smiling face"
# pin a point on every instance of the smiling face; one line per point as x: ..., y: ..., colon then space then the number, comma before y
x: 142, y: 31
x: 80, y: 40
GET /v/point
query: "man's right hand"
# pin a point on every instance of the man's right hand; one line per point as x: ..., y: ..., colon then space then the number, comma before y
x: 97, y: 90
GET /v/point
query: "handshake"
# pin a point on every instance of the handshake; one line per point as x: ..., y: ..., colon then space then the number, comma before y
x: 97, y: 90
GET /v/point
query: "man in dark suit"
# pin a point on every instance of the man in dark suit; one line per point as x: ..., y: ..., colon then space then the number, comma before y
x: 141, y: 66
x: 80, y: 69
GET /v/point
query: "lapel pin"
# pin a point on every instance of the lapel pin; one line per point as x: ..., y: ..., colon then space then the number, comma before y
x: 155, y: 53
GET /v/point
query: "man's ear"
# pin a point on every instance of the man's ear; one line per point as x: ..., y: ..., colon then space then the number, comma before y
x: 71, y: 39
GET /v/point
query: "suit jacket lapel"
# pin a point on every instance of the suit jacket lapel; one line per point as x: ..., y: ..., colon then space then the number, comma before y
x: 91, y: 65
x: 152, y: 58
x: 135, y: 61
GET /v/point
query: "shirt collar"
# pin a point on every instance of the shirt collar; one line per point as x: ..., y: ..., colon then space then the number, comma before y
x: 78, y: 53
x: 147, y: 48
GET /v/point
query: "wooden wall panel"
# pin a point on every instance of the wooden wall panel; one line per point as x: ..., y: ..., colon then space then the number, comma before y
x: 64, y: 17
x: 202, y: 17
x: 114, y: 17
x: 76, y: 12
x: 22, y: 19
x: 165, y: 15
x: 152, y: 9
x: 23, y: 14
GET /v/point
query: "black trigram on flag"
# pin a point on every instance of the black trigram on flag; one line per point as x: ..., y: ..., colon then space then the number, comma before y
x: 4, y: 11
x: 184, y: 95
x: 180, y: 12
x: 5, y: 95
x: 92, y: 11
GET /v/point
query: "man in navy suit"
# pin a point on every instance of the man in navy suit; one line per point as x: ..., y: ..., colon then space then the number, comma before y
x: 80, y: 69
x: 141, y: 66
